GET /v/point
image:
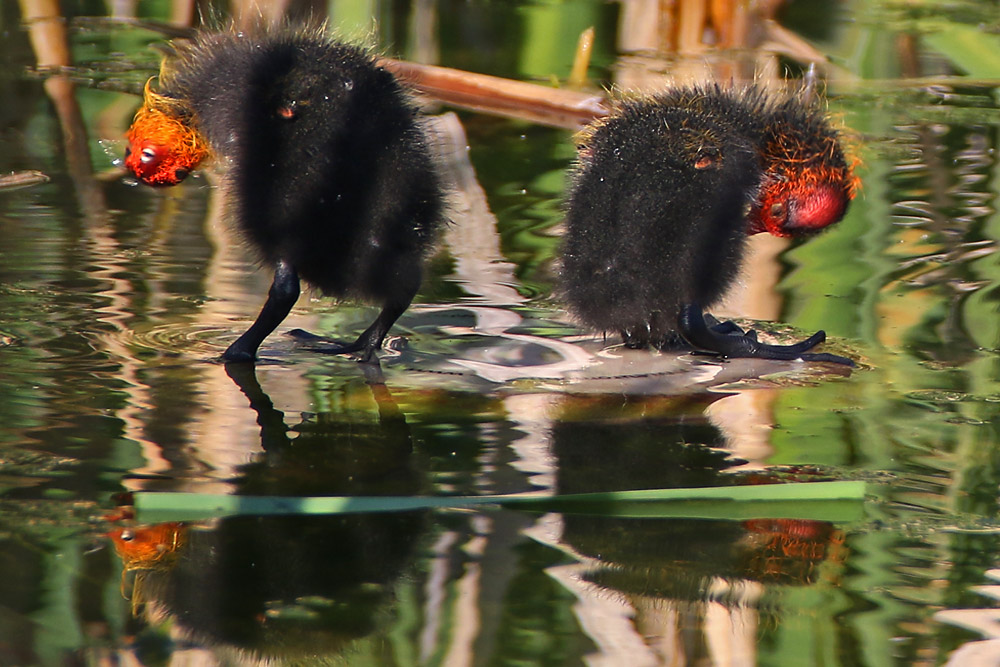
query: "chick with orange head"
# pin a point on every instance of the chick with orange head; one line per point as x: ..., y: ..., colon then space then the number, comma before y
x: 325, y: 166
x: 666, y: 192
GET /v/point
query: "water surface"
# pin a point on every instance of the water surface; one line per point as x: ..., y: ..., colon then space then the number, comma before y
x: 116, y: 301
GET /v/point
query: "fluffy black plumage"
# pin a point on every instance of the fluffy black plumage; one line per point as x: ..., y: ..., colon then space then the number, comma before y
x: 326, y: 168
x: 667, y: 190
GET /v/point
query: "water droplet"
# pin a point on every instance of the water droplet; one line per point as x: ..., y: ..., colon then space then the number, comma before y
x: 114, y: 149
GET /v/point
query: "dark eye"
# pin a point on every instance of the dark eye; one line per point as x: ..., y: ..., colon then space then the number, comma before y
x: 181, y: 174
x: 778, y: 210
x: 147, y: 156
x: 128, y: 151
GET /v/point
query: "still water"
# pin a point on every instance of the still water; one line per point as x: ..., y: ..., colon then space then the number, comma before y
x: 116, y: 301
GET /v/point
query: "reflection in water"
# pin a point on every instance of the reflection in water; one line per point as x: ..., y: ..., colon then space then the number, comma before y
x: 332, y: 454
x: 940, y: 220
x: 50, y: 40
x: 286, y: 586
x: 697, y: 588
x: 146, y: 549
x: 272, y: 587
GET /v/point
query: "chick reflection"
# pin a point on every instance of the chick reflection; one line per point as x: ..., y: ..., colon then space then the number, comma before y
x: 285, y: 587
x: 688, y: 582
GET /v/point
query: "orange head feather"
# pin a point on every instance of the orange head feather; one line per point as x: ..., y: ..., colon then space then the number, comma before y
x: 807, y: 184
x: 163, y: 144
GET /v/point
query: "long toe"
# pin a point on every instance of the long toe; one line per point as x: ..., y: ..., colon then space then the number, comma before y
x: 349, y: 348
x: 363, y: 352
x: 807, y: 344
x: 829, y: 358
x: 309, y: 337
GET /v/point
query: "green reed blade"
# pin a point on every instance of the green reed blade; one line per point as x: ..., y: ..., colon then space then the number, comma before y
x: 827, y: 501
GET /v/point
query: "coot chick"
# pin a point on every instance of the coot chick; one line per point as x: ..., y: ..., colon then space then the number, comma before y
x: 665, y: 194
x: 326, y: 169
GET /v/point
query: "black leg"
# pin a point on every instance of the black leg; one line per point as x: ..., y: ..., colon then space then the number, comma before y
x: 371, y: 339
x: 281, y: 297
x: 692, y: 325
x: 635, y: 341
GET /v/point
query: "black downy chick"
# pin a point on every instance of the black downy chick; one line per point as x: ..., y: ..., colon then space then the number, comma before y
x: 667, y: 190
x: 327, y: 171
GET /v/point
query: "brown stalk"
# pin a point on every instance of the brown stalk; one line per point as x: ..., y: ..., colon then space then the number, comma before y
x: 555, y: 107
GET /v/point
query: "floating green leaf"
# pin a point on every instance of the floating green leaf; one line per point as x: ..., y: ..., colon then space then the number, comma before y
x: 826, y: 501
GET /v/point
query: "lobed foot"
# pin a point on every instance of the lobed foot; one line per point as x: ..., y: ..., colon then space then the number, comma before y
x: 729, y: 340
x: 309, y: 337
x: 728, y: 327
x: 325, y: 345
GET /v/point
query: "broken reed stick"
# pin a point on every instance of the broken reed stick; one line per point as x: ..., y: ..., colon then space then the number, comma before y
x: 556, y: 107
x: 22, y: 179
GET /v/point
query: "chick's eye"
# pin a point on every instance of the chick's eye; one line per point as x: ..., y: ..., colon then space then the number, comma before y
x: 180, y: 174
x: 128, y: 151
x: 148, y: 155
x: 778, y: 211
